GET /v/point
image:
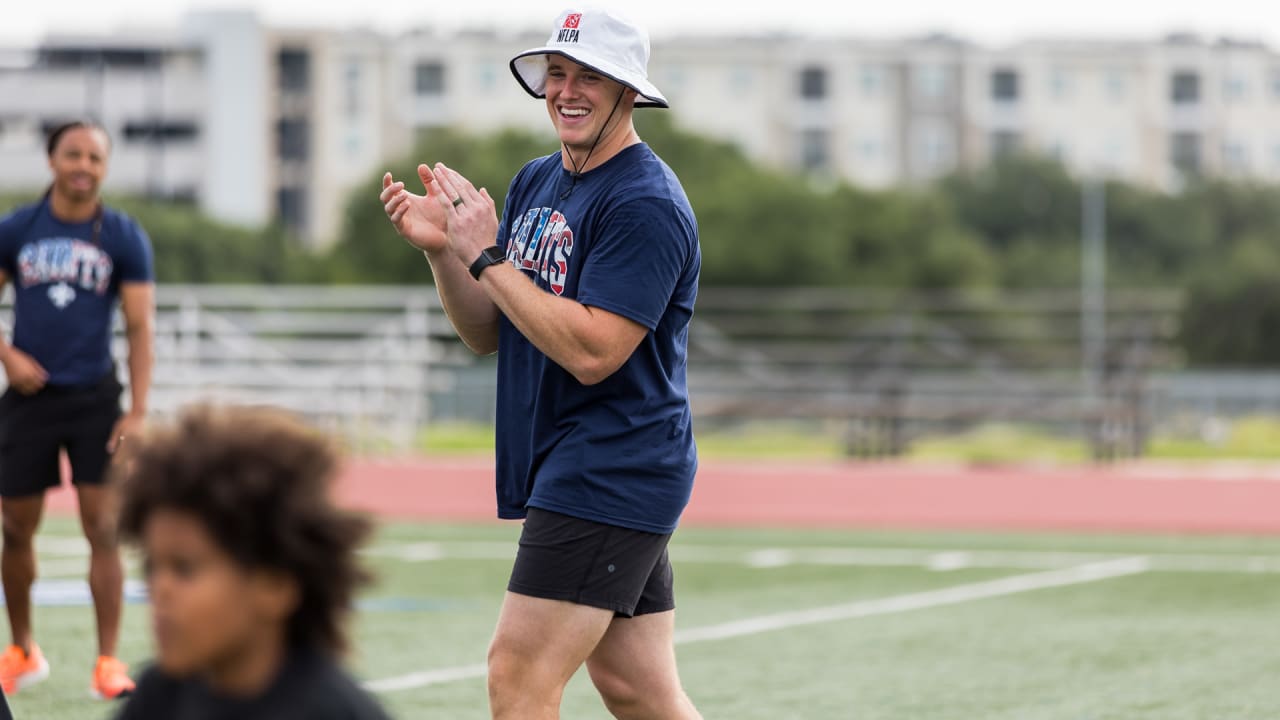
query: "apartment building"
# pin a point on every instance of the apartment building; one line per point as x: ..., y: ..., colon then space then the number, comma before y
x: 259, y: 124
x: 254, y: 125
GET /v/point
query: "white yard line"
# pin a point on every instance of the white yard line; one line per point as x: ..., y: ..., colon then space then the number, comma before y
x: 427, y: 678
x: 932, y: 559
x: 62, y: 569
x: 955, y: 594
x: 1080, y: 574
x: 940, y: 559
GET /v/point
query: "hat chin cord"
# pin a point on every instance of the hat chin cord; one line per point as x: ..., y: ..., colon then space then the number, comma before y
x: 577, y: 169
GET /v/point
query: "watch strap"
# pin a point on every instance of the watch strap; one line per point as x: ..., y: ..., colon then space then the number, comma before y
x: 491, y: 255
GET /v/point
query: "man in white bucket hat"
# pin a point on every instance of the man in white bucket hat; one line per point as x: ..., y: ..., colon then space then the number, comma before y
x: 586, y: 297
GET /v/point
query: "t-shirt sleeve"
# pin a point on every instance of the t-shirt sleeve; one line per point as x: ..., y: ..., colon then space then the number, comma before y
x: 9, y: 244
x: 136, y: 263
x: 636, y: 260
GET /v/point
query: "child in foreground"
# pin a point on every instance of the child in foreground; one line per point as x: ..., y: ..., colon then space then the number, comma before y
x: 250, y: 568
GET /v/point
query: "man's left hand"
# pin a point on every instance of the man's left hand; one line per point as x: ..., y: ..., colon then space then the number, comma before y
x: 470, y: 213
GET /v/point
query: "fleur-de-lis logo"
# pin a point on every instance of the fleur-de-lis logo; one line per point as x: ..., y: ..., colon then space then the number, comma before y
x: 61, y: 295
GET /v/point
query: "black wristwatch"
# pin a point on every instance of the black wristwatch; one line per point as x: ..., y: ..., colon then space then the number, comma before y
x: 491, y: 255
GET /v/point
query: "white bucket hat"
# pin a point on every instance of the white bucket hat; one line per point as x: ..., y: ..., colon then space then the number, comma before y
x: 600, y: 40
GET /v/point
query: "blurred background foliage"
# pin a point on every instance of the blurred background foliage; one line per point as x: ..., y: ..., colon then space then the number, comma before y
x: 1012, y: 225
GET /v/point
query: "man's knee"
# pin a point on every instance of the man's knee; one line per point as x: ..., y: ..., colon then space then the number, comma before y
x: 101, y: 536
x: 517, y: 685
x: 99, y: 529
x: 19, y: 532
x: 630, y: 696
x: 621, y: 695
x: 509, y: 670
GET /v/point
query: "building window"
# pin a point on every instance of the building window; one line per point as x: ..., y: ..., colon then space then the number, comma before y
x: 295, y: 70
x: 739, y: 81
x: 869, y: 150
x: 428, y: 79
x: 930, y: 82
x: 934, y: 149
x: 1004, y: 85
x: 1234, y: 87
x: 813, y: 83
x: 291, y: 208
x: 1184, y: 152
x: 351, y: 89
x: 293, y: 138
x: 73, y: 58
x: 814, y: 150
x: 1116, y: 84
x: 1059, y: 83
x: 487, y: 77
x: 872, y: 80
x: 1235, y: 157
x: 159, y: 131
x: 1115, y: 154
x: 1184, y: 88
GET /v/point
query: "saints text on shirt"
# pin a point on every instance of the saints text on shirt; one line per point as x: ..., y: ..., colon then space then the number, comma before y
x: 61, y: 259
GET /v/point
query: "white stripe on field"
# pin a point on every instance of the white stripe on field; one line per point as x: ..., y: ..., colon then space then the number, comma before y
x: 939, y: 559
x: 933, y: 559
x: 429, y: 677
x: 1092, y: 572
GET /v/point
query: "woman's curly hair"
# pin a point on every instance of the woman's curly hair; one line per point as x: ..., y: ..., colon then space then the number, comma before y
x: 259, y: 480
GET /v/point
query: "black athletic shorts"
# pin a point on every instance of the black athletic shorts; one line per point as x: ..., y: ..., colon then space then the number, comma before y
x: 34, y: 428
x: 590, y: 563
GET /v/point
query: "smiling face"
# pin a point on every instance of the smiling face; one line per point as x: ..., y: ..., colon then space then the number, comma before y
x: 580, y: 100
x: 79, y: 163
x: 209, y: 614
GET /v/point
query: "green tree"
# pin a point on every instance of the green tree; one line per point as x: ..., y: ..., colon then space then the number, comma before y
x: 1232, y: 316
x: 368, y: 249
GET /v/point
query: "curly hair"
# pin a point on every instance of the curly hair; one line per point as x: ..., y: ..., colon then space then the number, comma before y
x: 259, y: 481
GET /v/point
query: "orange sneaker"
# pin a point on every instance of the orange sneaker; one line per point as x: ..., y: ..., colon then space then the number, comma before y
x: 20, y: 669
x: 110, y: 679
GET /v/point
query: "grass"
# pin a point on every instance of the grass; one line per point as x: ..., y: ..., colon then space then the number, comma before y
x: 1155, y: 645
x: 1000, y: 443
x: 1250, y: 438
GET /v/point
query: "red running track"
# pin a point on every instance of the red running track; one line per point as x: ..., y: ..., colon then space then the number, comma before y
x: 1139, y: 496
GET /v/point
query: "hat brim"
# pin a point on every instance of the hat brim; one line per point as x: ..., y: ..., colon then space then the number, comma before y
x: 530, y: 69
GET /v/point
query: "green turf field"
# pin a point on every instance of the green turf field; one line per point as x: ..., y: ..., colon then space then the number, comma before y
x: 810, y: 625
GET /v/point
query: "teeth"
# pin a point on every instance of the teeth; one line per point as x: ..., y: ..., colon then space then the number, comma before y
x: 575, y: 112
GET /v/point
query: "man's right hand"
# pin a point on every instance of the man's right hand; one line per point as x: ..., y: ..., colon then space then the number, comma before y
x: 24, y: 373
x: 418, y: 218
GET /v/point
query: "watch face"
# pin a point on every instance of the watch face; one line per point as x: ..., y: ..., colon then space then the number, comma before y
x: 491, y: 255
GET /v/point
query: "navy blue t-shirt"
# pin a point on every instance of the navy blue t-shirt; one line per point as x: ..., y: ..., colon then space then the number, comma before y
x: 624, y: 240
x: 66, y: 286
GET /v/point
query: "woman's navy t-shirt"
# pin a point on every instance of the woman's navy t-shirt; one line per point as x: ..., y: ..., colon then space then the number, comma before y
x: 621, y: 238
x: 66, y: 285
